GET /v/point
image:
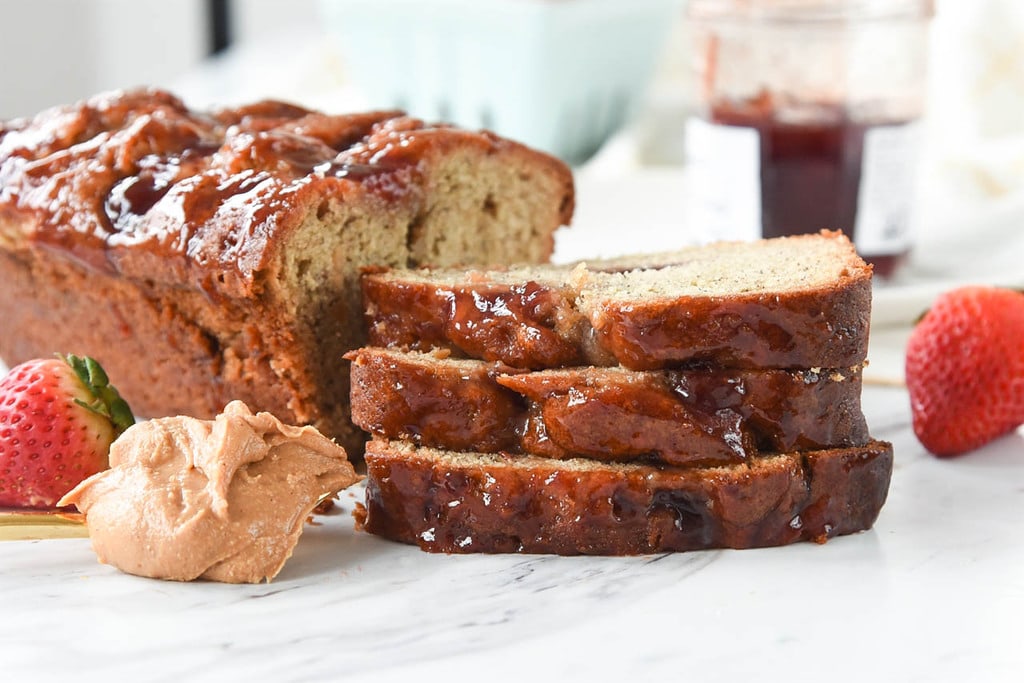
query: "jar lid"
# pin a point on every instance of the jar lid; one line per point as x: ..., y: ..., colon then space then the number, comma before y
x: 785, y: 11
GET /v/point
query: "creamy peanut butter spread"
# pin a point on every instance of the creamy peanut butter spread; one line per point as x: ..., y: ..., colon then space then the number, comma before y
x: 223, y: 500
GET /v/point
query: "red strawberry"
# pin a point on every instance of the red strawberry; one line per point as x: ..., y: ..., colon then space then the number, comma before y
x: 58, y: 417
x: 965, y: 369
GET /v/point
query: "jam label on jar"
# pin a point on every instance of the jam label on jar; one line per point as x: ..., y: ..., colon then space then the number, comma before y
x: 726, y: 181
x: 886, y: 189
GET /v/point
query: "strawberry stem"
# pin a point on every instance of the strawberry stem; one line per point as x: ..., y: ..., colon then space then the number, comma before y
x: 106, y: 399
x: 97, y: 377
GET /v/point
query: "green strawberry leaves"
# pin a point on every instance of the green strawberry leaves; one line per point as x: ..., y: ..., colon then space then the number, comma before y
x: 106, y: 400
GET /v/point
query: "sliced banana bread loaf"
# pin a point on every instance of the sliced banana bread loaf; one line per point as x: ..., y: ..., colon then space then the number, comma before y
x: 454, y: 502
x: 205, y: 257
x: 698, y: 416
x: 792, y: 302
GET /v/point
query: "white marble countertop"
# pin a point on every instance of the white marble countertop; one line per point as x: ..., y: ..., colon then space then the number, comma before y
x: 934, y: 592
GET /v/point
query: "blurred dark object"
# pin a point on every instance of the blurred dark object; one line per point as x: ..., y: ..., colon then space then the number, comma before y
x: 219, y: 12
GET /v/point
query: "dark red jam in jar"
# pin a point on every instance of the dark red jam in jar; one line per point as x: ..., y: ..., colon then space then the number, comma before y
x: 833, y: 172
x: 803, y: 122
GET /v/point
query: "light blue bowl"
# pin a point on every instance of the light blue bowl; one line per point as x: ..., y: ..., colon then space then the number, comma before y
x: 560, y: 75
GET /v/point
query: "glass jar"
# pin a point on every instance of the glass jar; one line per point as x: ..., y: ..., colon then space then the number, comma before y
x: 807, y: 117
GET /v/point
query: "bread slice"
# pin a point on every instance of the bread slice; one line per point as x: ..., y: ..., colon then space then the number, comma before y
x: 791, y: 302
x: 698, y: 416
x: 454, y: 502
x: 205, y: 257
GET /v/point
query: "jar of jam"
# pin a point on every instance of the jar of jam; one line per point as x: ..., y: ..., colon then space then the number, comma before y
x: 808, y: 117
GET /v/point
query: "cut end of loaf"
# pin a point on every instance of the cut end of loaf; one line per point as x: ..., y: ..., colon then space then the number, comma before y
x: 475, y: 207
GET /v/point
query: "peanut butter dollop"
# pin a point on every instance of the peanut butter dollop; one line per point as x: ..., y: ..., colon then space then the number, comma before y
x: 223, y: 500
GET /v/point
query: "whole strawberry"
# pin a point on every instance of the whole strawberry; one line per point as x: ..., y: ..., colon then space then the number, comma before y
x: 58, y: 417
x: 965, y: 369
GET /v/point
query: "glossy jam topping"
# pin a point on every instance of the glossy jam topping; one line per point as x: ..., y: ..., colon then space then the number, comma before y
x: 538, y: 505
x: 540, y: 325
x: 694, y: 417
x: 800, y: 330
x: 697, y: 417
x: 466, y: 408
x: 622, y: 423
x: 114, y: 178
x: 527, y: 325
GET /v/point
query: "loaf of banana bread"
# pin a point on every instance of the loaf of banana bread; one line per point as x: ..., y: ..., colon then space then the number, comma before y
x: 457, y: 502
x: 791, y: 302
x: 696, y: 416
x: 704, y: 398
x: 205, y: 257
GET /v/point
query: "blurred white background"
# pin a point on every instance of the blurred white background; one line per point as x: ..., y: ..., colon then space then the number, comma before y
x: 58, y: 51
x: 967, y: 219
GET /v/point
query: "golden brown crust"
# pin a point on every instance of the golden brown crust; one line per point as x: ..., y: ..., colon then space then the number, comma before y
x: 460, y: 503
